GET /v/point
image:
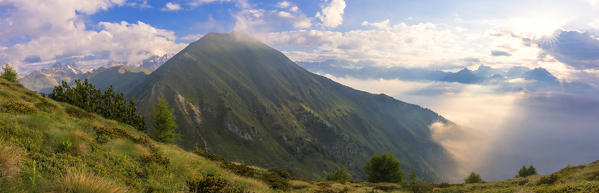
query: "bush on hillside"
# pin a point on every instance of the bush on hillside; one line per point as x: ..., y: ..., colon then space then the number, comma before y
x: 277, y: 179
x: 473, y: 178
x: 14, y: 106
x: 340, y: 175
x: 8, y: 73
x: 384, y: 168
x: 108, y: 103
x: 213, y: 184
x: 550, y: 179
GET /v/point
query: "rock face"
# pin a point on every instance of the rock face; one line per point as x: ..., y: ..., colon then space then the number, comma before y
x: 239, y: 98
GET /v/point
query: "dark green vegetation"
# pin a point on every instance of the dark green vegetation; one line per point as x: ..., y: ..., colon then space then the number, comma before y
x: 163, y: 123
x: 525, y: 172
x: 8, y: 73
x: 108, y: 103
x: 383, y: 168
x: 340, y: 175
x: 473, y: 178
x: 246, y: 101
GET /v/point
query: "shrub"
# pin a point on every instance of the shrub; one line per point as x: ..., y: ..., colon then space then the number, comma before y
x: 45, y: 105
x: 156, y: 157
x: 550, y: 179
x: 384, y: 168
x: 277, y: 179
x: 82, y: 182
x: 239, y: 169
x: 14, y: 106
x: 523, y: 182
x: 9, y: 74
x: 525, y: 172
x: 443, y: 185
x: 213, y: 184
x: 78, y: 113
x: 386, y: 187
x: 421, y: 187
x: 593, y: 175
x: 279, y: 172
x: 209, y: 156
x: 473, y: 178
x: 340, y: 175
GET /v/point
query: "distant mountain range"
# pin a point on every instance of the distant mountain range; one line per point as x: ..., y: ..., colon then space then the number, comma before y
x: 45, y: 80
x: 536, y: 78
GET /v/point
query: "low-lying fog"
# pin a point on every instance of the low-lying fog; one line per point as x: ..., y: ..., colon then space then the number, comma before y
x: 498, y: 131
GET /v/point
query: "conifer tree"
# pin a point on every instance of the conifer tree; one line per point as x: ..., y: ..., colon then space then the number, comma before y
x: 164, y: 123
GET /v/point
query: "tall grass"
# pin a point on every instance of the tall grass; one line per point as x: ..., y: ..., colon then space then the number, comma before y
x: 84, y: 182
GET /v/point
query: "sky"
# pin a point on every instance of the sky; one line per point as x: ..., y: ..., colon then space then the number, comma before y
x: 519, y: 78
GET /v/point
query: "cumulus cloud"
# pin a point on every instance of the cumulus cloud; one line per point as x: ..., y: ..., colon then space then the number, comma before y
x: 381, y: 25
x: 56, y: 32
x: 284, y: 4
x: 500, y: 53
x: 331, y: 15
x: 170, y: 6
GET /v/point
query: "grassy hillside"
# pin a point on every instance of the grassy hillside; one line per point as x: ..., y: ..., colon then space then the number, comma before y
x: 242, y: 99
x: 51, y: 146
x: 583, y: 179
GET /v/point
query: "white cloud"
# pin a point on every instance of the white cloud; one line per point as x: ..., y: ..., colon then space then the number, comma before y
x: 331, y: 15
x: 284, y: 14
x: 381, y: 25
x: 201, y: 2
x: 56, y: 31
x: 593, y: 2
x: 170, y: 6
x: 283, y: 4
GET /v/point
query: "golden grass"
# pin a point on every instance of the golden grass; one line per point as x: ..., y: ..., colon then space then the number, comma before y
x: 10, y: 156
x: 82, y: 182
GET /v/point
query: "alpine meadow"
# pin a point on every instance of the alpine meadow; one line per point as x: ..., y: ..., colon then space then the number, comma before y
x: 317, y: 96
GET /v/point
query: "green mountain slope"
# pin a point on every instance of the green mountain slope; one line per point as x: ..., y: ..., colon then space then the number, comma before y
x: 122, y: 78
x: 242, y: 99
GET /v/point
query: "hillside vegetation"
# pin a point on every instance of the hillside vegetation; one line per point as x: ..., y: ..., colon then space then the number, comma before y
x: 47, y: 146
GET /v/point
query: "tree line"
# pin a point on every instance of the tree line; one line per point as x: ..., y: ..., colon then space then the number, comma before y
x: 109, y: 104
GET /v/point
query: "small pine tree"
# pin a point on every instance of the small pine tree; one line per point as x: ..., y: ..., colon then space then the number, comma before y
x: 9, y: 74
x: 473, y: 178
x: 341, y: 175
x: 532, y: 170
x: 164, y: 123
x: 525, y: 172
x: 384, y: 168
